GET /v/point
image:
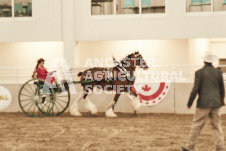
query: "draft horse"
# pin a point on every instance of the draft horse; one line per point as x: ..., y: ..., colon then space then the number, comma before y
x: 110, y: 79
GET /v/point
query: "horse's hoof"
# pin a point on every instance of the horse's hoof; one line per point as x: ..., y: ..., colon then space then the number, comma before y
x: 113, y: 115
x: 136, y: 112
x: 76, y: 113
x: 110, y: 113
x: 136, y: 107
x: 94, y: 112
x: 92, y: 108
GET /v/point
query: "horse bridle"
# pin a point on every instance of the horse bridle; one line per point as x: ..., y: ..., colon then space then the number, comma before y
x: 140, y: 57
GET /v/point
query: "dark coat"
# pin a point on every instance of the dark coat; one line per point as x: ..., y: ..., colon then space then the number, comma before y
x: 209, y: 85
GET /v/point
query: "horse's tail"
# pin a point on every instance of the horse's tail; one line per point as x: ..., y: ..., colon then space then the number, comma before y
x: 80, y: 73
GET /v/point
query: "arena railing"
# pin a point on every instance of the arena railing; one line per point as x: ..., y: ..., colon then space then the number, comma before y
x: 21, y: 75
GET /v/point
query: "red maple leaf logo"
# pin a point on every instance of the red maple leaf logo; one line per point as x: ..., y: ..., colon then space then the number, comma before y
x: 146, y: 88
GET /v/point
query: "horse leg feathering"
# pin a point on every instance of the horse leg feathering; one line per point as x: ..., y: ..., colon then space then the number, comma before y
x: 90, y: 106
x: 110, y: 111
x: 135, y: 101
x: 136, y: 105
x: 74, y: 107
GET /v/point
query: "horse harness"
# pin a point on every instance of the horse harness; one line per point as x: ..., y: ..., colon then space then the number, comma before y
x: 110, y: 76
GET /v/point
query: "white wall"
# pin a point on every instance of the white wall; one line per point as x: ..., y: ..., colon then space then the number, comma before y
x: 166, y: 52
x: 219, y: 48
x: 46, y: 24
x: 24, y: 56
x: 198, y: 47
x: 175, y: 25
x: 197, y: 50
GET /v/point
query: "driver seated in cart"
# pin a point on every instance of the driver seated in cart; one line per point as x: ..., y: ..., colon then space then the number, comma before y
x: 40, y: 72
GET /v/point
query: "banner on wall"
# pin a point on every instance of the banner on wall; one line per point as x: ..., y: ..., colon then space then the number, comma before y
x: 5, y: 98
x: 151, y: 93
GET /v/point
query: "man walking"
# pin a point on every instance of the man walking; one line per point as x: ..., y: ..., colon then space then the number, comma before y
x: 209, y: 86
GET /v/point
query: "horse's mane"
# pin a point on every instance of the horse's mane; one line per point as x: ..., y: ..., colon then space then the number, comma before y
x: 128, y: 56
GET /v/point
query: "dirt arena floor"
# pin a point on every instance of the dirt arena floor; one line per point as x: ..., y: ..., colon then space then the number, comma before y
x: 145, y: 132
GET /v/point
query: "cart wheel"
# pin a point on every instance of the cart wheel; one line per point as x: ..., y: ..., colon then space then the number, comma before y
x: 36, y: 98
x: 62, y: 100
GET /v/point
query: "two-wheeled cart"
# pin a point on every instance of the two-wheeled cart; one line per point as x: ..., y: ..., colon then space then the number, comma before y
x: 38, y: 98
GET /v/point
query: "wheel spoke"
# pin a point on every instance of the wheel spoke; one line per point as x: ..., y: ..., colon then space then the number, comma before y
x: 33, y: 111
x: 49, y: 105
x: 57, y: 94
x: 35, y: 87
x: 57, y: 108
x: 39, y: 112
x: 28, y: 91
x: 44, y: 106
x: 59, y: 104
x: 25, y: 100
x: 62, y: 100
x: 28, y: 103
x: 30, y: 106
x: 25, y: 95
x: 31, y: 88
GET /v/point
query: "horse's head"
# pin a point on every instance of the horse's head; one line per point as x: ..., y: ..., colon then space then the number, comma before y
x: 133, y: 60
x: 139, y: 60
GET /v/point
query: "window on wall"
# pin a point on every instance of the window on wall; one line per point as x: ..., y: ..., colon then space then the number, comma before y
x: 153, y: 6
x: 120, y: 7
x: 223, y: 62
x: 5, y: 8
x: 206, y: 5
x: 22, y: 8
x: 102, y: 7
x: 127, y: 6
x: 219, y: 5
